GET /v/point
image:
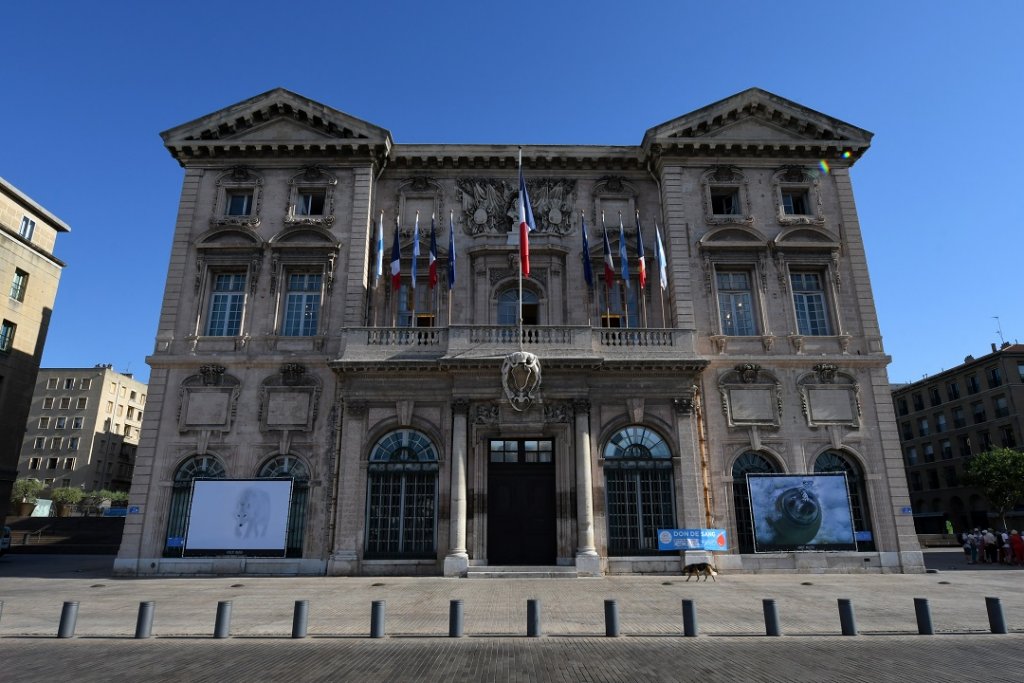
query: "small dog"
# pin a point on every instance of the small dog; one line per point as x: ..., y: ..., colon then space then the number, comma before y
x: 699, y: 569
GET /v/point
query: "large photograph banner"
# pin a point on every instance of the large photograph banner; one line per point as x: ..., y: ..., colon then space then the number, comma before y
x: 800, y: 512
x: 246, y: 517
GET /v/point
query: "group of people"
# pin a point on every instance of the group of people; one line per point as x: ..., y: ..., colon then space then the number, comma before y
x: 988, y: 546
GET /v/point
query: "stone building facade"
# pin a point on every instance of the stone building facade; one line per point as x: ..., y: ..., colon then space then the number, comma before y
x: 946, y: 418
x: 83, y: 428
x: 419, y: 433
x: 29, y: 275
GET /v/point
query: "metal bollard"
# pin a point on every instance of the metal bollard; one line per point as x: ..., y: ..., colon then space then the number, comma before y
x: 68, y: 618
x: 222, y: 627
x: 144, y: 624
x: 771, y: 618
x: 689, y: 619
x: 455, y: 619
x: 533, y: 618
x: 611, y: 619
x: 996, y: 621
x: 924, y: 617
x: 300, y: 618
x: 377, y: 616
x: 846, y: 618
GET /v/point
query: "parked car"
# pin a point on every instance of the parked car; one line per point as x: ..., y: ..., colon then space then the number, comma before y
x: 5, y: 540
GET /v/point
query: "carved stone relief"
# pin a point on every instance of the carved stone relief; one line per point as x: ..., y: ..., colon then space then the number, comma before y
x: 830, y: 397
x: 751, y: 396
x: 490, y: 206
x: 289, y: 400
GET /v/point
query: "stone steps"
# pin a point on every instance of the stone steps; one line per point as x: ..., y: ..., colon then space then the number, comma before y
x: 521, y: 572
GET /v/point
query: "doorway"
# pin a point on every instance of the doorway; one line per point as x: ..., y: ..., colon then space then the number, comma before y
x: 521, y: 526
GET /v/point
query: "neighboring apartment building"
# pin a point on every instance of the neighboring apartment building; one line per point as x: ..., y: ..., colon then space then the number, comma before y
x: 83, y: 429
x: 425, y: 435
x: 29, y: 275
x: 946, y: 418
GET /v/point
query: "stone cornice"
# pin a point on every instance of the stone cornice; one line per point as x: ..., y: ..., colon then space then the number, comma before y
x: 336, y: 150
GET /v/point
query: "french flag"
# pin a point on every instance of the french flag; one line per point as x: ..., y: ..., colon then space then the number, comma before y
x: 396, y: 261
x: 415, y: 250
x: 378, y: 269
x: 641, y: 258
x: 526, y: 222
x: 433, y: 254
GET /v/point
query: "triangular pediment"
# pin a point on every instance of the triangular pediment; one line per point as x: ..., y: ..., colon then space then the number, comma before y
x: 278, y: 115
x: 756, y: 115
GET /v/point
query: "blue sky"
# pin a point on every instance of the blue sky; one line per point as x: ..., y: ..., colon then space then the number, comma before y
x: 90, y: 85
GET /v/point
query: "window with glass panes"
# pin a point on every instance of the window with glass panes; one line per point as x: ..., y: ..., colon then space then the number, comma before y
x: 7, y: 329
x: 525, y: 451
x: 197, y: 467
x: 290, y: 467
x: 310, y: 202
x: 619, y: 305
x: 809, y: 302
x: 508, y: 307
x: 302, y: 305
x: 748, y: 463
x: 401, y: 500
x: 239, y: 203
x: 421, y: 295
x: 832, y: 461
x: 638, y: 490
x: 18, y: 285
x: 227, y: 303
x: 735, y: 303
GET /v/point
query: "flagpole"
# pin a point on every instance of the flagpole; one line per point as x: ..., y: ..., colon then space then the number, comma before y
x: 660, y: 255
x: 640, y: 295
x: 625, y: 282
x: 451, y: 261
x: 520, y: 231
x: 607, y: 280
x: 395, y: 290
x: 586, y: 258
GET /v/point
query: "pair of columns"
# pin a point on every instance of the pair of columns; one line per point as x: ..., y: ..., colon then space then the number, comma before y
x: 588, y: 562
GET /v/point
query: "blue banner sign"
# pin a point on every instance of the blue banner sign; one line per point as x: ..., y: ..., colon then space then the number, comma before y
x: 115, y: 512
x: 692, y: 539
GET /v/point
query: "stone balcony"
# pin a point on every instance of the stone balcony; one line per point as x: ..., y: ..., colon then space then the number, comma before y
x: 467, y: 343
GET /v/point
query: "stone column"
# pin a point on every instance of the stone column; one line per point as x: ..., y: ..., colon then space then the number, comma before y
x: 351, y: 492
x: 588, y: 562
x: 691, y: 476
x: 457, y: 561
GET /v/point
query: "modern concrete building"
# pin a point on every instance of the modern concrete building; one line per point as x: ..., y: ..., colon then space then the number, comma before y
x: 83, y: 428
x: 425, y: 434
x: 29, y: 275
x: 946, y: 418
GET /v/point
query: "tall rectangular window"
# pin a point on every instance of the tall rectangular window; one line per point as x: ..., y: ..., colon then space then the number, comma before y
x: 302, y: 305
x: 7, y: 330
x: 227, y: 301
x: 794, y: 202
x: 39, y: 442
x: 48, y: 403
x: 809, y: 301
x: 239, y: 203
x: 972, y: 385
x: 85, y: 384
x: 725, y: 201
x: 81, y: 403
x: 28, y: 228
x: 940, y: 423
x: 76, y: 422
x: 952, y: 391
x: 735, y: 304
x: 51, y: 383
x: 19, y: 284
x: 310, y: 202
x: 933, y: 394
x: 995, y: 377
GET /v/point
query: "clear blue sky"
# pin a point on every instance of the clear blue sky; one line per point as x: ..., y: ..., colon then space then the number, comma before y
x: 90, y: 85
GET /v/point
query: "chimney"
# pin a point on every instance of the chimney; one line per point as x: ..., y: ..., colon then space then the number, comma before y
x: 993, y: 347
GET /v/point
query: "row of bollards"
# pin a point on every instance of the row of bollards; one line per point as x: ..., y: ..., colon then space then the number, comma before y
x: 456, y: 618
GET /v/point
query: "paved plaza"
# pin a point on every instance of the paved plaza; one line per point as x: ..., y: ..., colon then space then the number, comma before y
x: 731, y: 644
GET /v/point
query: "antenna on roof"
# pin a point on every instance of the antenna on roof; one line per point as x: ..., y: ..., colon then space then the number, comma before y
x: 999, y: 329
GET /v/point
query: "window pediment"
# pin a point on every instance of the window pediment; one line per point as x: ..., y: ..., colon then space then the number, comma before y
x: 736, y: 237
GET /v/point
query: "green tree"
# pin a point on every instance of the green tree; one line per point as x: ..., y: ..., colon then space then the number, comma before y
x: 66, y: 495
x: 26, y: 490
x: 999, y: 474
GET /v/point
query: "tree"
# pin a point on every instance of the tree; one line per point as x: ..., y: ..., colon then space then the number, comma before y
x: 999, y: 474
x: 26, y: 490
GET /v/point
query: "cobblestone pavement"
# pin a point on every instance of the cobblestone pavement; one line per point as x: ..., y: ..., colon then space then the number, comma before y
x: 731, y: 646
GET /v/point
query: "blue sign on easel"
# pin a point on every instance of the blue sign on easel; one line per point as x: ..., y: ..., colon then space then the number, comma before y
x: 692, y: 539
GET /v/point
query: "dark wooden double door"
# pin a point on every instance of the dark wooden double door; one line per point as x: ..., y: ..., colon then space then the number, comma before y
x: 521, y: 514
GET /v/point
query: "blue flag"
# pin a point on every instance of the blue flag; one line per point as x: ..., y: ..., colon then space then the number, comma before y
x: 588, y: 273
x: 622, y: 254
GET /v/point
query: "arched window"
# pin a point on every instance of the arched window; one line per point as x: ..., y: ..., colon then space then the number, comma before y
x: 831, y: 461
x: 748, y: 463
x: 401, y: 500
x: 293, y: 468
x: 196, y: 467
x: 508, y: 307
x: 638, y: 485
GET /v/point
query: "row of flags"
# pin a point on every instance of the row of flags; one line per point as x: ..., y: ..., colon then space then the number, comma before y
x: 526, y: 226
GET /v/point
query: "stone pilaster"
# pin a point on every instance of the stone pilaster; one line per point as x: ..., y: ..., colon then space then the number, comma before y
x: 457, y: 561
x: 588, y: 562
